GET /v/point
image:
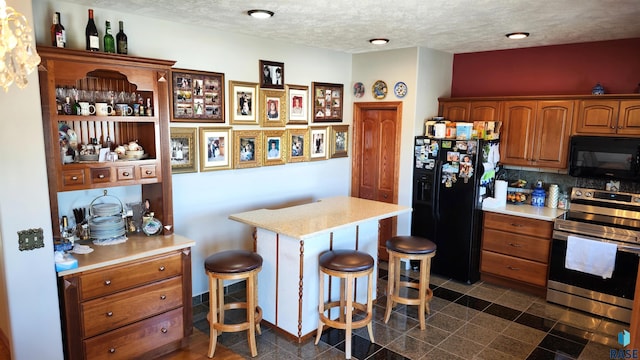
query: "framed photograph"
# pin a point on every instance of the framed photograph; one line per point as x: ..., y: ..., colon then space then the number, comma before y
x: 319, y: 143
x: 298, y: 104
x: 339, y: 141
x: 271, y: 75
x: 298, y: 142
x: 275, y: 145
x: 327, y: 102
x: 243, y: 103
x: 215, y: 152
x: 197, y: 96
x: 183, y: 150
x: 247, y: 148
x: 273, y: 108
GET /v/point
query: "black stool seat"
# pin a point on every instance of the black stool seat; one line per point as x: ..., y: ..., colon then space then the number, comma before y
x: 346, y: 260
x: 411, y: 245
x: 233, y: 261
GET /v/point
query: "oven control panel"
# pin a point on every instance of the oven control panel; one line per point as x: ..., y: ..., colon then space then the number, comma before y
x: 612, y: 198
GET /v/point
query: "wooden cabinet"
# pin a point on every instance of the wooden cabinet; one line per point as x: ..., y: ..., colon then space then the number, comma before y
x: 101, y: 77
x: 125, y: 311
x: 515, y: 251
x: 608, y: 117
x: 536, y: 133
x: 470, y: 110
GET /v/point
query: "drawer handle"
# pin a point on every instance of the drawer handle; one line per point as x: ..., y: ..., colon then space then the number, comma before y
x: 148, y: 172
x: 74, y: 178
x: 112, y: 350
x: 515, y: 245
x: 107, y: 282
x: 163, y: 297
x: 161, y: 268
x: 110, y: 314
x: 101, y: 176
x: 516, y: 225
x: 126, y: 173
x: 164, y: 330
x: 513, y: 268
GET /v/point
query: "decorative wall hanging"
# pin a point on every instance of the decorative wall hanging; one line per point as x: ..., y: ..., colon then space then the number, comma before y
x: 298, y: 104
x: 271, y: 74
x: 197, y: 96
x: 215, y: 152
x: 327, y: 102
x: 183, y: 150
x: 243, y: 102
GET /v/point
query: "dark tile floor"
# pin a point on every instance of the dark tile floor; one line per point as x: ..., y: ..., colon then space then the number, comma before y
x: 478, y: 321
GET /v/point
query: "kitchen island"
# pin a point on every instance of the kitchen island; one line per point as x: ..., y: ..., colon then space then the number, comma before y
x: 290, y: 241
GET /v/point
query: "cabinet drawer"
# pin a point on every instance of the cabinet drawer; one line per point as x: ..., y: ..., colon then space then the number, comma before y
x: 72, y: 177
x: 518, y: 224
x: 523, y: 246
x: 121, y: 277
x: 523, y: 270
x: 114, y: 311
x: 147, y: 171
x: 125, y: 173
x: 100, y: 175
x: 137, y: 339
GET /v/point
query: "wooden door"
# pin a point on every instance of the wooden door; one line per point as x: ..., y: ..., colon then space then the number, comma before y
x: 553, y: 129
x: 375, y: 161
x: 518, y: 122
x: 629, y: 121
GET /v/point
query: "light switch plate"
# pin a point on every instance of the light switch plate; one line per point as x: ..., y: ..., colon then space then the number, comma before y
x: 30, y: 239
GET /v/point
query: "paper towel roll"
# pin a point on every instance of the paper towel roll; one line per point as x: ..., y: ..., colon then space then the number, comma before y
x: 501, y: 191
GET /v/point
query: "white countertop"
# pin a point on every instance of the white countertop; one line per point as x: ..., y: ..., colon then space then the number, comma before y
x: 136, y: 247
x: 307, y: 220
x: 534, y: 212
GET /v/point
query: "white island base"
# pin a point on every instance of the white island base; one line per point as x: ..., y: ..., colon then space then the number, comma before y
x: 290, y: 241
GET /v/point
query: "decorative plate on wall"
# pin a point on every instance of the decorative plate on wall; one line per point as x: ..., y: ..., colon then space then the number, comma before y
x: 358, y: 89
x: 400, y: 89
x: 379, y: 89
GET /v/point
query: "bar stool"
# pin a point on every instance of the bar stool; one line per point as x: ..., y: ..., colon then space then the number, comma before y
x: 233, y: 265
x: 347, y: 265
x: 411, y: 248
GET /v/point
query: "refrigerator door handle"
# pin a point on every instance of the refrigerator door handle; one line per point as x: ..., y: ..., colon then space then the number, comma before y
x: 436, y: 191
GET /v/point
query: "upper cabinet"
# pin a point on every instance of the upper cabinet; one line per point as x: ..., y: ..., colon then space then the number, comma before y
x: 79, y: 91
x: 608, y: 117
x: 536, y: 133
x: 469, y: 110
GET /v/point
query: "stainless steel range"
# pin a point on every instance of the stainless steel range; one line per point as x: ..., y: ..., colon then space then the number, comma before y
x: 598, y: 215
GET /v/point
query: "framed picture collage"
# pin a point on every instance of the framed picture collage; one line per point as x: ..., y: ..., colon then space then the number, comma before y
x: 277, y: 116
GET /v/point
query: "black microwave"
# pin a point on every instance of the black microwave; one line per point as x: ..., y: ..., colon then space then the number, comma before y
x: 603, y: 157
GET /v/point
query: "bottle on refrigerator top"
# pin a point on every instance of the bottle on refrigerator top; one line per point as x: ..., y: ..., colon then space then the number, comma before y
x: 121, y: 39
x: 91, y: 34
x: 109, y: 43
x: 58, y: 35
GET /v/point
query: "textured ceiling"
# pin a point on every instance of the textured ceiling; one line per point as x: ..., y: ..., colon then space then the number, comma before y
x: 454, y: 26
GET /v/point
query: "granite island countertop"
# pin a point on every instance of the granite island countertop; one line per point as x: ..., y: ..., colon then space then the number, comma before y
x: 325, y: 215
x: 524, y: 210
x: 137, y: 246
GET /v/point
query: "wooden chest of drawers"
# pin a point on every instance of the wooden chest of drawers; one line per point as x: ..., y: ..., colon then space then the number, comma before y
x: 515, y: 251
x: 139, y: 308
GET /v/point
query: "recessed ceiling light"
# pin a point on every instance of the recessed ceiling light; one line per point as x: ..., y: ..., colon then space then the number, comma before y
x: 379, y: 41
x: 260, y: 14
x: 517, y: 35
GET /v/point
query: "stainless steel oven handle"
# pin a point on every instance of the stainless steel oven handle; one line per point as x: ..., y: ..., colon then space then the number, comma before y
x: 561, y: 235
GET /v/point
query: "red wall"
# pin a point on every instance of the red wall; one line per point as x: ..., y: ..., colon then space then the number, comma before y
x: 549, y: 70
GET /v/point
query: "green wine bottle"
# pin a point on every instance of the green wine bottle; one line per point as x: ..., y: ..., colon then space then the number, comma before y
x: 108, y: 41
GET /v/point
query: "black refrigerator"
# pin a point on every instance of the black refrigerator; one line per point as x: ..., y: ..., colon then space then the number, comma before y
x: 450, y: 179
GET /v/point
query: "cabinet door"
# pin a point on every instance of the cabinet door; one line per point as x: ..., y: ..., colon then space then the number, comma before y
x: 597, y: 117
x: 518, y: 123
x: 553, y: 129
x: 629, y: 119
x: 485, y: 111
x: 456, y: 110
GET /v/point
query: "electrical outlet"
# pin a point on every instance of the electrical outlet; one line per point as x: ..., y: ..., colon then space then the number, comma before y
x: 30, y: 239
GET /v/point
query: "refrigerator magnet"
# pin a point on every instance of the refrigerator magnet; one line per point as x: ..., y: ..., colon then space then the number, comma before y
x: 453, y: 156
x: 446, y: 144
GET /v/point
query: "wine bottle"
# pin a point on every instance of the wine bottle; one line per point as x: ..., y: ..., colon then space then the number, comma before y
x: 121, y: 39
x: 58, y: 35
x: 109, y: 43
x: 91, y: 32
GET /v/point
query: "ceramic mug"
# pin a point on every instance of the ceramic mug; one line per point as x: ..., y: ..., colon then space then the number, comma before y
x: 86, y: 109
x: 103, y: 109
x: 123, y: 110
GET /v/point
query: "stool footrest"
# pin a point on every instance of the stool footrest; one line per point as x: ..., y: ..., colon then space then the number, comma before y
x: 343, y: 325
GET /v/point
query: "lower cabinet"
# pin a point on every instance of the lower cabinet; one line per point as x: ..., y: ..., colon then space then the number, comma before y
x: 136, y: 309
x: 515, y: 251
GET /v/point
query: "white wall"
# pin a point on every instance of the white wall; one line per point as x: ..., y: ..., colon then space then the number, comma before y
x: 425, y: 73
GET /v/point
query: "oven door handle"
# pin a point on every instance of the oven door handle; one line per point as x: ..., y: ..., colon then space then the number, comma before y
x: 629, y: 249
x: 562, y: 236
